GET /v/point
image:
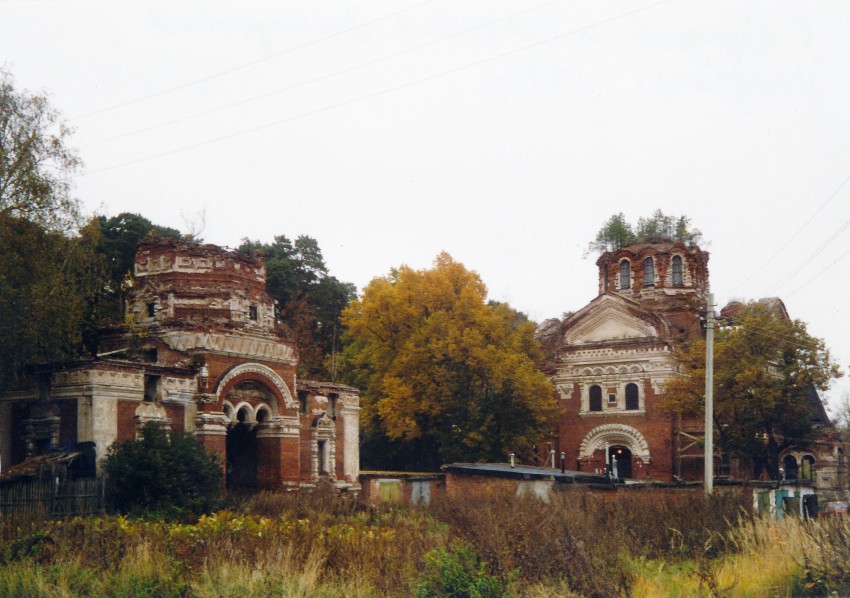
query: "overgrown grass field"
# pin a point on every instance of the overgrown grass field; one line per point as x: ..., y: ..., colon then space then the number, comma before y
x: 325, y: 544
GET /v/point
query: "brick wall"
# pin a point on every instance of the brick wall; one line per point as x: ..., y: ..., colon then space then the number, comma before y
x: 126, y: 414
x: 468, y: 486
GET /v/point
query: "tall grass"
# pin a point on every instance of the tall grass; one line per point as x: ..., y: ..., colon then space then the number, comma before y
x: 765, y: 557
x: 324, y: 544
x: 589, y: 539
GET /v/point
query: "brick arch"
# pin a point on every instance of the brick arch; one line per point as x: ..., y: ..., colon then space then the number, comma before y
x: 260, y: 373
x: 612, y: 434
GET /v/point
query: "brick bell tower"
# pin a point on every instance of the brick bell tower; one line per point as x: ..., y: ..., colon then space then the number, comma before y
x: 667, y: 278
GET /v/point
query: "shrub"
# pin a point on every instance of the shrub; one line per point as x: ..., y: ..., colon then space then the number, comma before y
x: 157, y: 474
x: 456, y: 571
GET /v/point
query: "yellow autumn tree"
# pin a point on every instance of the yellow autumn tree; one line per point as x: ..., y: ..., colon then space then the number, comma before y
x: 446, y: 376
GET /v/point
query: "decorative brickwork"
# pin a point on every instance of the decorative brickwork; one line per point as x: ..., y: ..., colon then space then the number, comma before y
x: 609, y: 362
x: 611, y: 358
x: 202, y: 356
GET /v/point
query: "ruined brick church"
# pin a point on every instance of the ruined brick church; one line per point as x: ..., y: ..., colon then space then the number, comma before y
x: 610, y: 360
x: 200, y: 354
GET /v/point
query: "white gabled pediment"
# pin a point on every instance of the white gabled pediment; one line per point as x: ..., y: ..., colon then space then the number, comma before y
x: 607, y: 320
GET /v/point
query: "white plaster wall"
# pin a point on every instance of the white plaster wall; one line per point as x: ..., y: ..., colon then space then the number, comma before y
x: 351, y: 450
x: 104, y: 419
x: 84, y: 419
x: 612, y: 329
x: 538, y: 488
x: 190, y: 411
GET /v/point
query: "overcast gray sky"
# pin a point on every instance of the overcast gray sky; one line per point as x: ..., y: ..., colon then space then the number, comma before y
x: 504, y: 132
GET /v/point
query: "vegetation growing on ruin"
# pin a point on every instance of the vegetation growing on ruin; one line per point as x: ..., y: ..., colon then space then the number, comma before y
x: 326, y: 544
x: 617, y: 232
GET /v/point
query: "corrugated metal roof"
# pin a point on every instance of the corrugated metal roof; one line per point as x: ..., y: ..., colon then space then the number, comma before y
x: 35, y: 465
x: 526, y: 472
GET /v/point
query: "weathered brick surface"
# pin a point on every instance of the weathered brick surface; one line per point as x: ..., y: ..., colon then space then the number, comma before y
x: 176, y: 413
x: 459, y: 487
x: 269, y: 466
x: 203, y: 341
x: 217, y: 445
x: 625, y: 336
x: 126, y: 420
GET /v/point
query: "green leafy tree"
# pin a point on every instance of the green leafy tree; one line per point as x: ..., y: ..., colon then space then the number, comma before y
x: 50, y: 273
x: 617, y: 233
x: 766, y: 368
x: 661, y: 227
x: 34, y: 159
x: 157, y: 474
x: 119, y: 236
x: 308, y: 300
x: 445, y: 375
x: 49, y: 283
x: 614, y: 234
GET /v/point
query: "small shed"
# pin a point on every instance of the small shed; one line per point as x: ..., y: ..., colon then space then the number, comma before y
x: 467, y: 479
x: 396, y: 487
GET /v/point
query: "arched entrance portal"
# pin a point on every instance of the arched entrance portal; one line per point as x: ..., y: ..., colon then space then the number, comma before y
x: 248, y: 404
x: 616, y: 443
x: 262, y: 443
x: 242, y: 454
x: 620, y: 458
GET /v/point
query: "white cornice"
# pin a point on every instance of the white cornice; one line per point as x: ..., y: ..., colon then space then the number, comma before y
x: 244, y: 346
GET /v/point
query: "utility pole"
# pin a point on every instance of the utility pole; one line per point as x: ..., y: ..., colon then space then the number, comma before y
x: 709, y: 396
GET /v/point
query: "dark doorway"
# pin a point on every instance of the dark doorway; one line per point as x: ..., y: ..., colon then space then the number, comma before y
x: 241, y: 459
x: 621, y: 461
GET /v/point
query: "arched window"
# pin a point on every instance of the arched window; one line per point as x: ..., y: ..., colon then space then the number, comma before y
x: 649, y: 272
x: 625, y: 275
x: 790, y: 463
x: 632, y: 398
x: 595, y: 398
x: 677, y: 271
x: 807, y: 468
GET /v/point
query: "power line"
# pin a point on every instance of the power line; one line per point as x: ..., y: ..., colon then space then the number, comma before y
x: 251, y: 63
x: 320, y: 78
x: 383, y: 91
x: 808, y: 260
x: 808, y: 282
x: 796, y: 234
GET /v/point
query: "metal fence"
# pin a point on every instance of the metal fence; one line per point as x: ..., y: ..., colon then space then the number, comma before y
x: 51, y: 497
